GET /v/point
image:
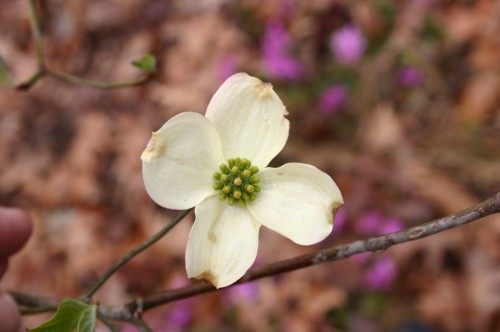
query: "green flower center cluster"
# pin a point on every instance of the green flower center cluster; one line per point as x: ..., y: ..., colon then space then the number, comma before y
x: 237, y: 181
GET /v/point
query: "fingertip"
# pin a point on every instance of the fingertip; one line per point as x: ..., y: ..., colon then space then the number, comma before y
x: 9, y: 313
x: 3, y: 266
x: 15, y: 229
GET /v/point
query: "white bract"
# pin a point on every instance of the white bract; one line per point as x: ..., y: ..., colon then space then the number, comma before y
x: 217, y: 163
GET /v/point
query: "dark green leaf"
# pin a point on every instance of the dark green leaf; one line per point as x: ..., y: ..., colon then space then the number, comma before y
x: 70, y: 315
x: 87, y: 319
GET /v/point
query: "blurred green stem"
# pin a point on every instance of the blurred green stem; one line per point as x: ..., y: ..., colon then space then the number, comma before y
x: 37, y: 35
x: 44, y: 71
x: 95, y: 84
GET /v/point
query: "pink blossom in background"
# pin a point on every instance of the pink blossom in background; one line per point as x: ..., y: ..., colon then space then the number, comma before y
x: 373, y: 222
x: 340, y: 220
x: 227, y: 66
x: 391, y: 225
x: 410, y: 76
x: 381, y: 274
x: 332, y: 99
x: 347, y: 44
x: 248, y: 292
x: 370, y: 223
x: 180, y: 316
x: 278, y: 63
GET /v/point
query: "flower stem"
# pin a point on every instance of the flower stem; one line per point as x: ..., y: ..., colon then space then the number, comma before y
x: 32, y: 80
x: 132, y: 253
x: 37, y: 35
x: 95, y: 84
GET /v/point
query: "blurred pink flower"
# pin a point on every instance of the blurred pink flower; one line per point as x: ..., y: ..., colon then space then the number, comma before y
x: 180, y: 316
x: 410, y: 76
x: 391, y: 225
x: 340, y: 220
x: 381, y: 274
x: 382, y: 270
x: 370, y: 223
x: 227, y: 67
x: 276, y: 44
x: 332, y: 99
x: 347, y: 44
x: 373, y: 222
x: 248, y: 292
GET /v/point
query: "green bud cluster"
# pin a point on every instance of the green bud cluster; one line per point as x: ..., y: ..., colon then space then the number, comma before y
x: 237, y: 181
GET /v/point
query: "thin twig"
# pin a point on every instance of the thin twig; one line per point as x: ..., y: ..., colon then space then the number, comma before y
x: 132, y: 253
x: 108, y: 323
x: 141, y: 324
x: 32, y: 80
x: 37, y: 35
x: 43, y: 71
x: 34, y: 304
x: 95, y: 84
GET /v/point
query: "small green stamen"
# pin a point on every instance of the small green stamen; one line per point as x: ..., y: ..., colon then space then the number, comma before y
x: 236, y: 181
x: 224, y: 169
x: 254, y: 179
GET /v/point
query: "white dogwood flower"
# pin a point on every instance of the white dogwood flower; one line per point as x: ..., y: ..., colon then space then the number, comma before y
x: 217, y: 163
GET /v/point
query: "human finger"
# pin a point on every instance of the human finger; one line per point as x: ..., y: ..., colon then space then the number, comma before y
x: 9, y: 314
x: 15, y: 229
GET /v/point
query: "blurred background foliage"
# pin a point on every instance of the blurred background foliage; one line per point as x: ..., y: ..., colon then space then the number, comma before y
x: 397, y: 100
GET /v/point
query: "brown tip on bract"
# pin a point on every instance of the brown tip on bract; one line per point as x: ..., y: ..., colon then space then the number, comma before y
x: 208, y: 277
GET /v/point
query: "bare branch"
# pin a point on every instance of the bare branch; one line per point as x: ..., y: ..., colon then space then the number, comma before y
x: 127, y: 312
x: 373, y: 244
